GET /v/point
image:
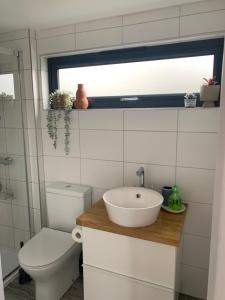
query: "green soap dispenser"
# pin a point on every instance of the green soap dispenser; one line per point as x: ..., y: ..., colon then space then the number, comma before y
x: 175, y: 199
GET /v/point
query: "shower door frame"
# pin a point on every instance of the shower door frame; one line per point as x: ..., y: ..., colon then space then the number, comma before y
x: 18, y: 55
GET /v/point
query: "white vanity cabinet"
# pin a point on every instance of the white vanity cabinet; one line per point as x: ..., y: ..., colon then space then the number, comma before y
x: 119, y: 267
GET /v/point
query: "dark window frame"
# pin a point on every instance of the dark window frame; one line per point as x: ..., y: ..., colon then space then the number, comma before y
x: 144, y: 53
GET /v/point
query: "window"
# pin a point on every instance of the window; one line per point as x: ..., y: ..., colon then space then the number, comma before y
x: 156, y: 76
x: 7, y: 85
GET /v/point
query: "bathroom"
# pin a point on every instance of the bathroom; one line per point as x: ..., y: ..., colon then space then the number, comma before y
x: 108, y: 142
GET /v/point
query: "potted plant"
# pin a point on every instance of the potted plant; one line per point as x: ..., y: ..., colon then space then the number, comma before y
x: 210, y: 92
x: 190, y: 100
x: 60, y: 105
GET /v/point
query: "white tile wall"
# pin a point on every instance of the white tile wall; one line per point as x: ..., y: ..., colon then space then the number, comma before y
x: 196, y: 251
x: 20, y: 217
x: 6, y: 237
x: 150, y: 147
x: 202, y: 120
x: 196, y: 185
x: 152, y: 15
x: 61, y: 43
x: 99, y: 24
x: 101, y: 174
x: 101, y: 119
x: 197, y: 150
x: 195, y: 155
x: 154, y: 120
x: 152, y: 31
x: 62, y: 169
x: 198, y: 220
x: 194, y: 281
x: 101, y: 144
x: 202, y: 23
x: 99, y: 38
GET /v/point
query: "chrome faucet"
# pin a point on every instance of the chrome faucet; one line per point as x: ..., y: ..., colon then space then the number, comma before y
x: 141, y: 172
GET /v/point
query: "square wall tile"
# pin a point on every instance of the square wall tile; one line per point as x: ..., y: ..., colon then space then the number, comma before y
x: 150, y: 147
x: 197, y: 150
x: 102, y: 144
x: 6, y: 237
x: 194, y: 281
x: 155, y: 176
x: 74, y: 147
x: 15, y: 141
x: 99, y: 38
x: 202, y: 23
x: 151, y: 31
x: 3, y: 141
x: 152, y: 120
x: 101, y: 174
x: 62, y: 169
x: 62, y: 30
x: 17, y: 170
x: 13, y: 114
x: 6, y: 214
x: 99, y: 24
x: 20, y: 217
x: 196, y: 185
x: 202, y: 6
x: 199, y: 120
x: 101, y: 119
x: 19, y: 189
x: 196, y: 251
x: 151, y: 15
x: 198, y: 220
x: 56, y: 44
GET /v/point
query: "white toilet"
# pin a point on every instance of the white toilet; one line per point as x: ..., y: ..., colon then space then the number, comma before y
x: 51, y: 257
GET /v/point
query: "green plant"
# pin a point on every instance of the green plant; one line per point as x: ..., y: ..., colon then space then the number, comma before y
x: 60, y: 104
x: 210, y: 81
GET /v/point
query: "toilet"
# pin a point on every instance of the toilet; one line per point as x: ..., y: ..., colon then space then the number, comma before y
x: 51, y: 257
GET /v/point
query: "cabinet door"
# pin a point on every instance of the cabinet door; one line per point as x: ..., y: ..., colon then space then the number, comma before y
x: 102, y: 285
x: 144, y: 260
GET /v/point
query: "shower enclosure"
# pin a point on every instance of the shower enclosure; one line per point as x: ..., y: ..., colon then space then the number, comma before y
x: 14, y: 193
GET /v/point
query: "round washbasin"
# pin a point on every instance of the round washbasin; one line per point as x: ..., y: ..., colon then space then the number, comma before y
x: 133, y: 206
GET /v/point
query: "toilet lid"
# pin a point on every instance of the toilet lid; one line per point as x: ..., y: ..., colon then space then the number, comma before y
x: 45, y: 248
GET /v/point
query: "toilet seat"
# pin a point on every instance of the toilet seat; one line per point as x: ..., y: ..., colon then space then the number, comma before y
x: 46, y: 248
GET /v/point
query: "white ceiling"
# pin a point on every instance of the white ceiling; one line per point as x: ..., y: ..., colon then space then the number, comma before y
x: 37, y: 14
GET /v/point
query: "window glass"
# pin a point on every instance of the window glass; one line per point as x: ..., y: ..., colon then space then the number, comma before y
x: 165, y: 76
x: 7, y: 85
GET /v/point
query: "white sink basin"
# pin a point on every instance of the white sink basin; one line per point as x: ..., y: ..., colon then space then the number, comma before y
x: 133, y: 206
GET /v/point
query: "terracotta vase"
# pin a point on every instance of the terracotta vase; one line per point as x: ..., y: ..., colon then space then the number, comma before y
x: 81, y: 98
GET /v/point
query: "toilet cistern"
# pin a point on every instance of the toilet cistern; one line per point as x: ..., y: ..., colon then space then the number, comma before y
x: 141, y: 173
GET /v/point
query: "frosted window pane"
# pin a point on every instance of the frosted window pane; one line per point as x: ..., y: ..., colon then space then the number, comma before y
x: 168, y: 76
x: 7, y: 84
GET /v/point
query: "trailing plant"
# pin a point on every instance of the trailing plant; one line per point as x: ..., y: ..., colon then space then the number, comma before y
x: 60, y: 104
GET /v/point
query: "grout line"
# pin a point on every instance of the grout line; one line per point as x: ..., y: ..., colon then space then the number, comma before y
x: 195, y: 267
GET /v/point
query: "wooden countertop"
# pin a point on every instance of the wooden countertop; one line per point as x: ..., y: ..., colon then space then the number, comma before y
x: 166, y: 230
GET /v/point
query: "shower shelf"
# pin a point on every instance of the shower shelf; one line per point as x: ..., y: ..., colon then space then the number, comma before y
x: 6, y: 160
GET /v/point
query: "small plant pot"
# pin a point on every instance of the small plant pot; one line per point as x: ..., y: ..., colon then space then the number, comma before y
x: 209, y: 94
x: 190, y: 102
x: 60, y: 102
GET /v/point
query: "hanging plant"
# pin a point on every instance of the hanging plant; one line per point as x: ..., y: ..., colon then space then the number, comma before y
x: 60, y: 104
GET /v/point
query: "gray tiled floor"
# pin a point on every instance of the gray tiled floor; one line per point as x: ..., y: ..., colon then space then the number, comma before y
x: 15, y: 291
